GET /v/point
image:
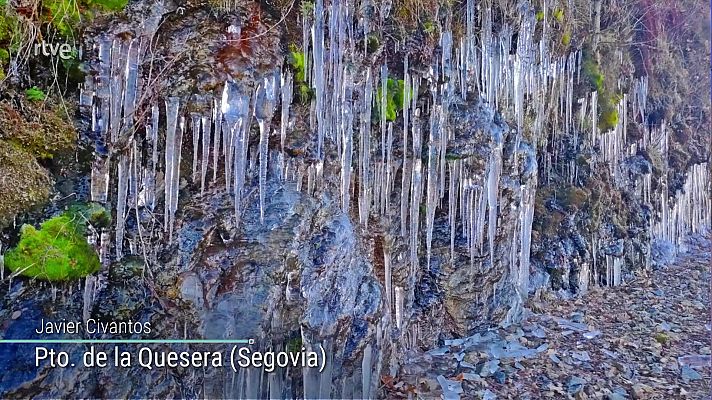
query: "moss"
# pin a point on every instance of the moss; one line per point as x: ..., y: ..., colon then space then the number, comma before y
x: 592, y: 72
x: 540, y: 15
x: 566, y: 39
x: 608, y: 119
x: 394, y: 98
x: 607, y: 102
x: 42, y: 129
x: 23, y: 182
x: 307, y: 8
x: 556, y: 276
x: 546, y: 222
x: 57, y: 252
x: 294, y: 345
x: 9, y: 30
x: 67, y: 15
x: 559, y: 15
x: 662, y: 338
x: 429, y: 27
x: 35, y: 94
x: 297, y: 63
x: 93, y: 214
x: 9, y: 37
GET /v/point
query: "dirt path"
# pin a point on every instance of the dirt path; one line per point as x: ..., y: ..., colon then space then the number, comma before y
x: 632, y: 341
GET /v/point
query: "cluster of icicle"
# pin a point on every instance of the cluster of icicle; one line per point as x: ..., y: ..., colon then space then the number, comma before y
x: 518, y: 83
x: 689, y: 212
x: 219, y: 138
x: 341, y: 114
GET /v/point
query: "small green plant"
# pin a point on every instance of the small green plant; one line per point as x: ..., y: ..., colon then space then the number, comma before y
x: 298, y: 64
x: 566, y: 39
x: 35, y: 94
x: 559, y: 15
x: 608, y: 118
x: 593, y: 74
x: 307, y: 8
x: 66, y: 15
x: 394, y: 98
x: 57, y: 252
x: 662, y: 338
x: 540, y: 15
x: 429, y: 27
x: 4, y: 60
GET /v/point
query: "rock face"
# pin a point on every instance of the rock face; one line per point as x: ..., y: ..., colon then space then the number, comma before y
x: 299, y: 277
x: 479, y: 290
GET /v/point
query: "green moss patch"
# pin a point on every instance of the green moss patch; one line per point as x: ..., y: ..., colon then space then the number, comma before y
x: 394, y: 98
x: 58, y: 251
x: 66, y: 15
x: 607, y: 101
x: 298, y: 65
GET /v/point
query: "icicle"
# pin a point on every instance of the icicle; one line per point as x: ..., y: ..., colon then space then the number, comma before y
x: 432, y: 195
x: 319, y: 73
x: 286, y: 102
x: 493, y: 175
x: 235, y: 107
x: 364, y: 152
x: 123, y: 175
x: 231, y: 110
x: 415, y: 189
x: 399, y: 302
x: 347, y: 143
x: 152, y: 139
x: 526, y: 218
x: 388, y: 277
x: 217, y: 124
x: 366, y: 371
x: 264, y: 108
x: 405, y: 173
x: 205, y: 152
x: 174, y: 141
x: 195, y: 126
x: 384, y: 105
x: 388, y: 184
x: 452, y: 204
